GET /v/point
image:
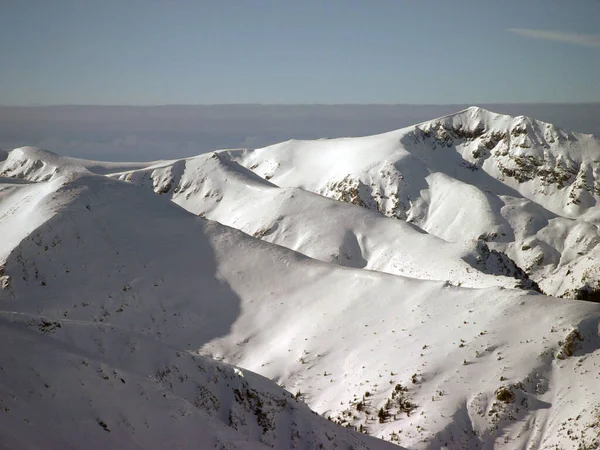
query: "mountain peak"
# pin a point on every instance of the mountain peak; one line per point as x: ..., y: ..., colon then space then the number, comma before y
x: 477, y: 115
x: 477, y: 111
x: 475, y: 122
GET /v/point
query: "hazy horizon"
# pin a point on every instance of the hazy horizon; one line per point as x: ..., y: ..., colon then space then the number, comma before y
x: 129, y: 133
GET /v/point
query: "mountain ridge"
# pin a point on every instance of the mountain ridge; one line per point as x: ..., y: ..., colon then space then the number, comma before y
x: 514, y: 201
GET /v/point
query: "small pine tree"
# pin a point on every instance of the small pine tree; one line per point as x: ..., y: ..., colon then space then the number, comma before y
x: 383, y: 415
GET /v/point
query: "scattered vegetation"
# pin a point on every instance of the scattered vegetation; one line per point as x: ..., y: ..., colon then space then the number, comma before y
x: 103, y: 425
x: 47, y: 326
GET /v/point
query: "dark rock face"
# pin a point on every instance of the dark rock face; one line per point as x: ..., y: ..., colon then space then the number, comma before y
x: 497, y: 263
x: 507, y: 148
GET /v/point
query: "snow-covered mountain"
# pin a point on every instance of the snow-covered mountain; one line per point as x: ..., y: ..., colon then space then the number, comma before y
x: 133, y: 322
x: 520, y: 188
x: 526, y: 187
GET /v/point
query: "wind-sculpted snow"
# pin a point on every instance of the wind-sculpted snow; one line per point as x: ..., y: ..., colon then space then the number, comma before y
x: 130, y: 322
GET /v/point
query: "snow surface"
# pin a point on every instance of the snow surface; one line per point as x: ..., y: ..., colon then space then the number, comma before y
x: 123, y: 311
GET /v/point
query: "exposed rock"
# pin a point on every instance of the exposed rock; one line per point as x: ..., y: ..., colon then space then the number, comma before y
x: 570, y: 345
x: 5, y: 282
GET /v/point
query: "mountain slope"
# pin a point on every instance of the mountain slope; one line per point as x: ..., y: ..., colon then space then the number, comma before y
x: 409, y: 360
x: 98, y: 332
x: 100, y: 386
x: 335, y: 232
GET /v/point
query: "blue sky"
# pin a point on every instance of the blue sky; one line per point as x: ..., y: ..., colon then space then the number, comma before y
x: 144, y: 52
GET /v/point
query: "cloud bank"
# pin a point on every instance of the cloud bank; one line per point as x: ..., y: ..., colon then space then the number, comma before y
x: 148, y: 133
x: 585, y: 40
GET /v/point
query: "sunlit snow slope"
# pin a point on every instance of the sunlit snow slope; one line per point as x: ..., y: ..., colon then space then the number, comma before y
x: 322, y: 228
x: 106, y: 295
